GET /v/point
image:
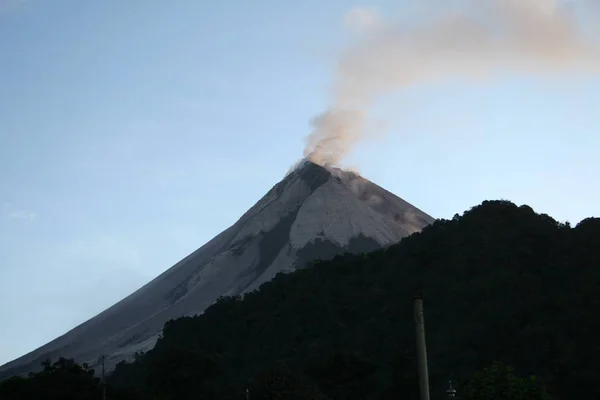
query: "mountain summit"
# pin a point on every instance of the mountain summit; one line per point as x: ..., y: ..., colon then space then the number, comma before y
x: 315, y: 212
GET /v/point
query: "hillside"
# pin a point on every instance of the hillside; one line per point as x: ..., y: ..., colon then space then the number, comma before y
x: 501, y: 283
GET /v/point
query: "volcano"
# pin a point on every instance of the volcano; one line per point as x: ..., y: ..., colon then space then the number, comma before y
x: 314, y: 213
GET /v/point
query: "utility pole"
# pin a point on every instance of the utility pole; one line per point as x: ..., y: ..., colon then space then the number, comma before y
x: 421, y: 346
x: 102, y: 358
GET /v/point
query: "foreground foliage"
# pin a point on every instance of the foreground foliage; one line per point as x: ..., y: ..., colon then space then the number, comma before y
x: 502, y: 286
x: 62, y: 380
x: 498, y: 382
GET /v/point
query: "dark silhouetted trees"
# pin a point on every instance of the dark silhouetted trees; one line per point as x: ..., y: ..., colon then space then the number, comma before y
x: 502, y: 286
x: 62, y: 380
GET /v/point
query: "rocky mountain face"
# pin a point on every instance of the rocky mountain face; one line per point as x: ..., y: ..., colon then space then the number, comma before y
x: 314, y: 213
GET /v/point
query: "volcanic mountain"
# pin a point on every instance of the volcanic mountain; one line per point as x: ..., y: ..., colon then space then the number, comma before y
x: 314, y: 213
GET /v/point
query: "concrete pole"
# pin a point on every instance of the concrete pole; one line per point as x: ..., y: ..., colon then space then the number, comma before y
x: 103, y: 381
x: 421, y: 347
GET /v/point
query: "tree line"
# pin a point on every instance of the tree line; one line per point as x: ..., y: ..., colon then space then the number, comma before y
x: 510, y: 310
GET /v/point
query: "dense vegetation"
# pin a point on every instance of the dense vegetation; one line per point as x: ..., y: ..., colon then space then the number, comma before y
x: 502, y: 286
x: 63, y: 380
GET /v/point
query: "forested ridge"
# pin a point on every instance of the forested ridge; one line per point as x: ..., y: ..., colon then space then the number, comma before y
x: 502, y: 286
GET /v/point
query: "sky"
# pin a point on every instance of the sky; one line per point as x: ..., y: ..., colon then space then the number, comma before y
x: 133, y: 132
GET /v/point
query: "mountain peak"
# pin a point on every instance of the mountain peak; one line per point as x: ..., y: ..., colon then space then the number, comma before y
x: 311, y: 171
x: 315, y: 213
x: 313, y: 174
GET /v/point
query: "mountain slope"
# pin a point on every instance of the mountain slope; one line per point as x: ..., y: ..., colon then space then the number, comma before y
x: 313, y: 213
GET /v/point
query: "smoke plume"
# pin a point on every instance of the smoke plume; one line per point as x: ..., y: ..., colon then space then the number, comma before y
x: 473, y: 39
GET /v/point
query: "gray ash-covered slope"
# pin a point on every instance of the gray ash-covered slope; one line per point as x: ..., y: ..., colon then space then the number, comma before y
x: 313, y: 213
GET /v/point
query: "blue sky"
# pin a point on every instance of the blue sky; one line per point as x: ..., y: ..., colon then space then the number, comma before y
x: 133, y: 132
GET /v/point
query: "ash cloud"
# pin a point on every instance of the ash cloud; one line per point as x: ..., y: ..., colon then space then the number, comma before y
x: 467, y: 39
